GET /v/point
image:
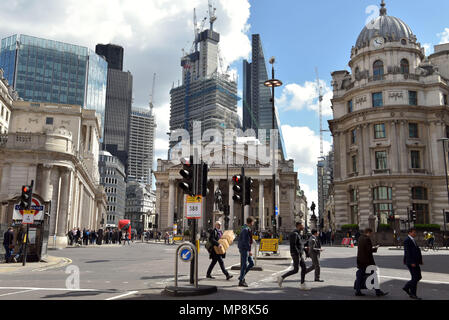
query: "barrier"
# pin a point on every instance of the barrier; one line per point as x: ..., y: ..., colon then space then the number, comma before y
x: 346, y: 241
x: 269, y: 245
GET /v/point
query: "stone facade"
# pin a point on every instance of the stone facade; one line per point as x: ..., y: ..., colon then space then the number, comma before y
x: 7, y: 96
x: 57, y: 147
x: 388, y: 115
x: 140, y: 206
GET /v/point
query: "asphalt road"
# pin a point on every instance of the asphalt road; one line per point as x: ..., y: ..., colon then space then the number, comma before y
x: 143, y: 270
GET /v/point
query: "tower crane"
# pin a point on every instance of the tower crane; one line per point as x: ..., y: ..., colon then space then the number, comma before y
x: 320, y: 102
x: 212, y: 16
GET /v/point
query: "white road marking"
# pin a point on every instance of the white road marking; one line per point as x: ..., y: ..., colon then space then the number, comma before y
x: 11, y: 293
x: 422, y: 281
x: 45, y: 289
x: 123, y: 295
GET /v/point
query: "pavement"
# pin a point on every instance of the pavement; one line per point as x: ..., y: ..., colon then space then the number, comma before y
x: 46, y: 264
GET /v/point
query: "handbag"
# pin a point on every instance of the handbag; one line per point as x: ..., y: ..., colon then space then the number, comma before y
x: 209, y: 246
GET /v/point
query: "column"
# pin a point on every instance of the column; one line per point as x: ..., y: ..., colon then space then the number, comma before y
x: 45, y: 190
x: 171, y: 204
x: 231, y: 205
x: 61, y: 239
x: 216, y: 187
x: 261, y: 206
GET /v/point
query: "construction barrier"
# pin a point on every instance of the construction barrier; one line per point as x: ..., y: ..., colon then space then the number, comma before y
x: 346, y: 241
x: 177, y: 238
x: 269, y: 245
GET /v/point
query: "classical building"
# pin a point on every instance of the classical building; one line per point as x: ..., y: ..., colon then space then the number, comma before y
x: 57, y: 147
x: 388, y: 114
x: 140, y: 206
x: 42, y: 70
x: 7, y: 96
x: 113, y: 179
x: 170, y: 198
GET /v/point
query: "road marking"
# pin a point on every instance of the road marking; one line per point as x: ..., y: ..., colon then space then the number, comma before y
x: 123, y: 295
x: 422, y: 281
x: 11, y: 293
x: 45, y: 289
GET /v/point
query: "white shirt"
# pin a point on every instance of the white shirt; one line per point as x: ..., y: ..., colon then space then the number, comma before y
x: 412, y: 239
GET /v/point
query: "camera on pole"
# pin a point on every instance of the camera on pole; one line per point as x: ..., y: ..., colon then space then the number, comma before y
x: 238, y: 189
x: 25, y: 198
x: 188, y: 175
x: 248, y: 190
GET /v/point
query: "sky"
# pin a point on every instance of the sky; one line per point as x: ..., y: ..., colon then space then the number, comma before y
x: 302, y: 35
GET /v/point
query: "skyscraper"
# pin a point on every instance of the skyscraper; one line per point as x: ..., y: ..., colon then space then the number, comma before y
x: 42, y: 70
x: 141, y: 146
x: 119, y: 93
x: 207, y: 94
x: 257, y: 105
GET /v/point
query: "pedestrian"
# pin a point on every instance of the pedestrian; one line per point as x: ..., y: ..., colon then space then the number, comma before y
x: 314, y: 252
x: 297, y: 253
x: 70, y: 236
x: 356, y: 237
x: 78, y: 236
x: 166, y: 238
x: 244, y: 245
x: 8, y: 243
x: 365, y: 259
x: 215, y: 235
x: 413, y: 260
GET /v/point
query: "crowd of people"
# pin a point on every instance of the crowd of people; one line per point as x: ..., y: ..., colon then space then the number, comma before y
x: 87, y: 237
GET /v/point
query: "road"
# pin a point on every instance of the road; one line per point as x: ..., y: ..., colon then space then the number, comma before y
x: 143, y: 270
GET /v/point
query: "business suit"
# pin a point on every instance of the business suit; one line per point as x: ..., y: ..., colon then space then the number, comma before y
x: 412, y: 255
x: 365, y: 259
x: 315, y: 249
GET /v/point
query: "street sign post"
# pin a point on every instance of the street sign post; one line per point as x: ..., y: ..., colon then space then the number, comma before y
x: 28, y: 217
x: 194, y: 207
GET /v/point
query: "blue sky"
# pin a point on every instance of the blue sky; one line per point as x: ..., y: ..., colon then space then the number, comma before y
x: 303, y: 35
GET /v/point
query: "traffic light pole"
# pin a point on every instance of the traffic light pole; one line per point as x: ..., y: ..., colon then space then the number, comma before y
x: 243, y: 195
x: 25, y: 238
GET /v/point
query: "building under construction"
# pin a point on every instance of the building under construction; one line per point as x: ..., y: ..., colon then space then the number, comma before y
x: 207, y: 94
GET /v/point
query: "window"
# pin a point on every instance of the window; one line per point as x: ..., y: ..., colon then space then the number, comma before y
x: 49, y: 121
x: 350, y: 107
x: 354, y: 164
x: 413, y: 98
x: 377, y: 99
x: 353, y: 195
x: 382, y: 193
x: 354, y: 136
x: 445, y: 99
x: 381, y: 160
x: 7, y: 115
x: 355, y: 214
x: 379, y: 131
x: 405, y: 66
x: 382, y: 197
x: 378, y: 70
x: 413, y: 130
x: 419, y: 193
x: 416, y: 162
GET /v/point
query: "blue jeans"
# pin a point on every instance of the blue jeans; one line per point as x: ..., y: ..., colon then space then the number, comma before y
x: 8, y: 252
x: 244, y: 268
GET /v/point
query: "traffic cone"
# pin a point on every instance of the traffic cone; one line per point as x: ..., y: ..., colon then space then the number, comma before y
x: 352, y: 244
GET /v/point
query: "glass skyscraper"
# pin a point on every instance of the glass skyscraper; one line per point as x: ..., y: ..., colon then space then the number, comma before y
x: 43, y: 70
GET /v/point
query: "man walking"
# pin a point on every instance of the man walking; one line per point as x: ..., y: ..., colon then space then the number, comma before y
x: 215, y: 235
x: 297, y: 253
x: 314, y: 252
x: 413, y: 260
x: 245, y: 241
x: 8, y: 243
x: 365, y: 259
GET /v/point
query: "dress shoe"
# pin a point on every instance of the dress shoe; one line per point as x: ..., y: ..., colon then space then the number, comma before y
x: 359, y: 294
x: 229, y: 276
x: 210, y: 277
x: 243, y: 284
x: 319, y: 280
x: 415, y: 297
x: 381, y: 293
x: 407, y: 291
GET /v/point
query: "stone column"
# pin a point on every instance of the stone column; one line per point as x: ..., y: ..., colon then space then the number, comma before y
x: 45, y: 188
x: 61, y: 239
x: 171, y: 204
x: 261, y: 206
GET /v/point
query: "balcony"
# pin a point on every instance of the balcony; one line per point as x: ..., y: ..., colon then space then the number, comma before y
x: 381, y: 171
x: 418, y: 171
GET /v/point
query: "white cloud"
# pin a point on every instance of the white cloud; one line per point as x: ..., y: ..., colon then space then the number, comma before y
x: 429, y: 48
x: 299, y: 97
x: 303, y: 145
x: 444, y: 36
x: 310, y: 193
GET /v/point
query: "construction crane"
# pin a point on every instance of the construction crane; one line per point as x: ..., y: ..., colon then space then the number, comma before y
x: 152, y: 93
x: 212, y: 16
x: 320, y: 102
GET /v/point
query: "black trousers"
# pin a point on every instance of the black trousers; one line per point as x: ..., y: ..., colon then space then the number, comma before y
x: 297, y: 261
x: 216, y: 258
x: 412, y: 285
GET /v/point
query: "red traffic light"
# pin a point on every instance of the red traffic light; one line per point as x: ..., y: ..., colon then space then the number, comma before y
x: 237, y: 178
x: 25, y: 189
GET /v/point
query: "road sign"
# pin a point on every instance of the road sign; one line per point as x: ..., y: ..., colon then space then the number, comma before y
x: 36, y: 207
x: 269, y: 245
x: 186, y: 254
x: 28, y: 217
x: 276, y: 211
x: 194, y: 207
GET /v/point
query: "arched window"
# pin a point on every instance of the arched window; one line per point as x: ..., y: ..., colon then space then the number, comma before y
x: 378, y: 70
x: 383, y: 203
x: 405, y: 66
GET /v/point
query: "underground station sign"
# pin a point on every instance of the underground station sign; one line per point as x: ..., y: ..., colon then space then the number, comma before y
x: 36, y: 210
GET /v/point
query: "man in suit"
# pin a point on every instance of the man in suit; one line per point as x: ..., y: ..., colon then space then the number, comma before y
x: 413, y: 260
x: 365, y: 259
x: 315, y: 251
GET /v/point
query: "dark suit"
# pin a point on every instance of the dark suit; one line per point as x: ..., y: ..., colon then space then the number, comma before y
x: 365, y: 259
x: 412, y: 255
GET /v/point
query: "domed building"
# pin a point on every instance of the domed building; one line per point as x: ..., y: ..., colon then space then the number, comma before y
x: 389, y: 113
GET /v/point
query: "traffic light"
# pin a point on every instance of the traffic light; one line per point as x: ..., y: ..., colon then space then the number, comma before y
x: 25, y: 198
x: 273, y: 220
x: 280, y: 221
x: 204, y: 191
x: 248, y: 190
x: 187, y: 173
x: 413, y: 213
x: 238, y: 189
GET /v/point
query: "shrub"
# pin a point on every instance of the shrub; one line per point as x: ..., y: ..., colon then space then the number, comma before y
x: 187, y: 233
x: 428, y: 227
x: 350, y: 226
x: 384, y: 227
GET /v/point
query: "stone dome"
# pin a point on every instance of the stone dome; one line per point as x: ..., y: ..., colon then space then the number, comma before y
x: 390, y: 28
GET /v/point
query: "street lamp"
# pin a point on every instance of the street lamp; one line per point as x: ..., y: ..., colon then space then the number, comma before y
x: 273, y: 83
x: 443, y: 141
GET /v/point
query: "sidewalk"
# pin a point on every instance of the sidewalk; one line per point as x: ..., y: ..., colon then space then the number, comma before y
x: 50, y: 263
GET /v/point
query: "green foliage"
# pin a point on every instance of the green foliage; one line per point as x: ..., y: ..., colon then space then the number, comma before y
x: 350, y: 227
x: 384, y: 227
x: 187, y: 233
x: 428, y: 227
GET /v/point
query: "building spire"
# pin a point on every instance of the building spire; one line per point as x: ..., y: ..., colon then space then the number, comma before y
x: 383, y: 10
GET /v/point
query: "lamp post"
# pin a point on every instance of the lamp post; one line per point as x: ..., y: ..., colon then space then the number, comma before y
x: 273, y: 83
x: 443, y: 141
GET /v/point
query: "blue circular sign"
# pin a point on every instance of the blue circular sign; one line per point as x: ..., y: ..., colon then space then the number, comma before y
x: 186, y: 254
